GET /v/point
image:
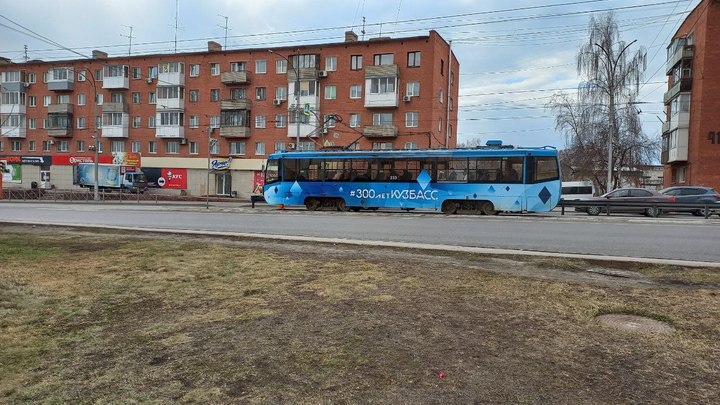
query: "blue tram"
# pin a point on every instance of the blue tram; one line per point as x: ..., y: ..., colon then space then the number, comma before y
x: 483, y: 180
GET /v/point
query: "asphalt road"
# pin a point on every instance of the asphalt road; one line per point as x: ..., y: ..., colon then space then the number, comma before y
x: 635, y: 236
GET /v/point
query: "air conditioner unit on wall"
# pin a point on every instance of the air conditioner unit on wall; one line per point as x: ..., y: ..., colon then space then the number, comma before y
x: 183, y: 141
x: 407, y: 98
x: 291, y: 145
x: 149, y: 80
x: 277, y: 101
x: 323, y: 73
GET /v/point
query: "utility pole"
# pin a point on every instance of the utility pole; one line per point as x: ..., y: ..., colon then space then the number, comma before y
x: 226, y: 29
x: 130, y: 37
x: 296, y: 70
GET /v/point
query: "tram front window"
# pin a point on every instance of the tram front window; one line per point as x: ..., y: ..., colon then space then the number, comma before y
x: 271, y: 172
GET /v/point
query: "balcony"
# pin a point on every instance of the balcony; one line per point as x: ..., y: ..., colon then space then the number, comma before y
x: 381, y: 71
x: 678, y: 152
x: 171, y: 74
x: 681, y: 53
x: 682, y: 86
x: 235, y: 132
x: 305, y: 74
x: 14, y: 87
x: 60, y: 124
x: 8, y: 131
x: 663, y: 157
x: 115, y: 125
x: 115, y: 108
x: 63, y: 108
x: 60, y: 132
x: 170, y: 132
x: 61, y: 79
x: 242, y: 104
x: 171, y: 104
x: 12, y: 109
x: 380, y: 131
x: 116, y: 77
x: 666, y: 127
x: 234, y: 78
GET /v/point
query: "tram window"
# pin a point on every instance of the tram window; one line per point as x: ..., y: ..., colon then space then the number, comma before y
x: 411, y: 171
x: 452, y: 170
x: 512, y: 170
x: 289, y: 170
x: 308, y: 169
x: 485, y: 170
x: 271, y: 171
x: 546, y: 168
x: 359, y: 170
x: 442, y: 174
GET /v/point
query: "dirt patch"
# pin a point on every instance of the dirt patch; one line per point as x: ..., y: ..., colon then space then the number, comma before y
x: 183, y: 319
x: 634, y: 323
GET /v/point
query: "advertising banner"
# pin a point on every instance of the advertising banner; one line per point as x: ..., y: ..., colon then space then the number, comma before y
x: 126, y: 158
x: 73, y: 160
x: 11, y: 172
x: 221, y: 163
x: 258, y: 182
x: 175, y: 179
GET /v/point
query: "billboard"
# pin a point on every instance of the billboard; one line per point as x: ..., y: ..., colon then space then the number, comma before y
x: 11, y: 172
x: 175, y: 179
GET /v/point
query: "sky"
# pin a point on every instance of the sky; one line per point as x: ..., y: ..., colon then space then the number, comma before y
x: 514, y: 55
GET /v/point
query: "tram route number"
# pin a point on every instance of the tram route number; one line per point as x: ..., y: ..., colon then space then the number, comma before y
x: 395, y: 194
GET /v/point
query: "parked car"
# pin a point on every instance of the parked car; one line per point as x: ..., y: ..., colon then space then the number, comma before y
x: 631, y: 195
x: 694, y: 194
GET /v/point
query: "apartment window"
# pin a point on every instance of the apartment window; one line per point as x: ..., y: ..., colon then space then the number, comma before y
x: 117, y: 146
x: 382, y: 145
x: 440, y: 125
x: 47, y: 100
x: 135, y: 146
x: 259, y: 148
x: 442, y: 96
x: 80, y: 145
x: 117, y: 97
x: 281, y: 66
x: 413, y: 59
x: 279, y: 146
x: 173, y: 92
x: 238, y: 94
x: 450, y: 103
x: 32, y: 78
x: 32, y: 146
x: 355, y: 91
x: 379, y: 85
x: 153, y: 72
x: 355, y: 62
x: 194, y: 70
x: 238, y: 67
x: 382, y: 119
x: 98, y: 121
x: 152, y: 98
x: 383, y: 59
x: 237, y: 148
x: 260, y: 93
x: 194, y: 148
x: 214, y: 121
x: 16, y: 146
x: 194, y: 121
x: 306, y: 145
x: 99, y: 99
x: 410, y: 145
x: 194, y: 96
x: 63, y: 146
x: 172, y: 147
x: 151, y: 121
x: 354, y: 120
x: 136, y: 122
x: 411, y: 119
x: 259, y: 121
x: 281, y: 93
x: 115, y: 119
x: 330, y: 92
x: 329, y: 121
x: 100, y: 147
x: 452, y: 77
x: 46, y: 146
x: 442, y: 67
x: 32, y: 101
x: 308, y: 88
x: 214, y: 94
x: 331, y: 63
x: 136, y: 97
x: 412, y: 89
x: 214, y: 69
x: 81, y: 123
x: 81, y: 99
x: 261, y: 66
x: 214, y: 148
x: 82, y: 76
x: 280, y: 121
x: 152, y: 147
x: 137, y: 73
x: 31, y: 123
x: 171, y: 118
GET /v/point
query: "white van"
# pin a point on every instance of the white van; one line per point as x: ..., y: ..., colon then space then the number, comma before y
x: 576, y: 190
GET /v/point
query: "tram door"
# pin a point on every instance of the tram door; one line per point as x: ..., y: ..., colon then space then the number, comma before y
x: 223, y: 183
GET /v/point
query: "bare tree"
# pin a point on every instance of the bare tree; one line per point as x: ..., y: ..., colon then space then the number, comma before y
x: 471, y: 143
x: 602, y: 118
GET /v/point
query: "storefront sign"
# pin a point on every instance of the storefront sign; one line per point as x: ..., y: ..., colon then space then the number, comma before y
x: 175, y: 179
x: 28, y: 160
x: 126, y: 158
x: 221, y: 163
x: 73, y: 160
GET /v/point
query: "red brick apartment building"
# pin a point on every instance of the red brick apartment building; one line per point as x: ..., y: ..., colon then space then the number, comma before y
x: 691, y: 135
x: 180, y: 111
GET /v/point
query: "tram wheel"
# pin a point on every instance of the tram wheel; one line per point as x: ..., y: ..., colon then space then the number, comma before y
x: 487, y: 208
x: 341, y: 205
x: 449, y: 207
x: 312, y: 204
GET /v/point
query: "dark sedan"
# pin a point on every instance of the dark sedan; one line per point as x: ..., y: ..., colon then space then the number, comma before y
x: 639, y: 201
x: 694, y: 194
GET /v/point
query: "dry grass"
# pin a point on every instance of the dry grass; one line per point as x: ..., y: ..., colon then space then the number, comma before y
x: 113, y: 318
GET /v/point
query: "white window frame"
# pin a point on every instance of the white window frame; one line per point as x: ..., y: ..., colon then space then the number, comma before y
x: 214, y: 69
x: 280, y: 121
x: 194, y: 69
x: 260, y: 66
x: 237, y: 148
x: 152, y: 147
x: 331, y: 63
x: 260, y: 148
x: 172, y: 147
x: 136, y: 146
x: 260, y: 121
x: 330, y: 92
x: 281, y: 66
x: 411, y: 119
x: 412, y: 89
x: 355, y: 91
x: 194, y: 148
x: 355, y: 120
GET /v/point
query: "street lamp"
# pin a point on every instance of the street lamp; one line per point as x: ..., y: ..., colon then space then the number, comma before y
x: 96, y: 144
x: 297, y: 97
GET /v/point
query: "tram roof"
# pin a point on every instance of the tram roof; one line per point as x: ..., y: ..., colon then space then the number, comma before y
x: 420, y: 153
